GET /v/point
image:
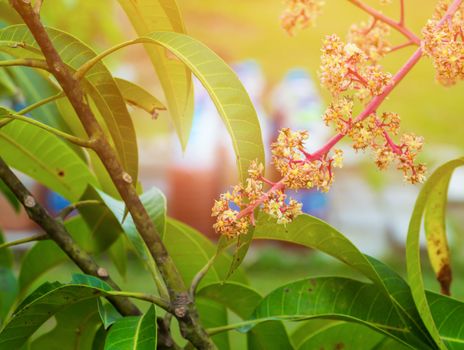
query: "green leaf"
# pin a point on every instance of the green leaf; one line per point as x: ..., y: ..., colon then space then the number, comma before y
x: 117, y: 253
x: 39, y: 306
x: 413, y: 246
x: 190, y: 251
x: 137, y: 96
x: 448, y: 315
x: 342, y: 335
x: 242, y: 300
x: 226, y: 91
x: 337, y: 298
x: 240, y: 250
x: 435, y: 233
x: 44, y: 157
x: 213, y: 314
x: 6, y: 256
x: 10, y: 197
x: 149, y: 16
x: 239, y: 298
x: 314, y: 233
x: 8, y: 291
x: 133, y: 333
x: 7, y: 83
x: 43, y: 256
x: 17, y: 41
x: 76, y: 327
x: 108, y: 313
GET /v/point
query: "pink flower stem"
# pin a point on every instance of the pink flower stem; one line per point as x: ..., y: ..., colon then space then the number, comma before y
x: 393, y: 146
x: 399, y: 26
x: 401, y: 13
x: 250, y: 209
x: 397, y: 78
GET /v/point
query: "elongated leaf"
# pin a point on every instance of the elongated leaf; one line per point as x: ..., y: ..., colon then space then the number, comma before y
x: 76, y: 327
x: 214, y: 314
x: 8, y: 291
x: 7, y: 83
x: 226, y: 91
x: 46, y: 301
x: 149, y: 16
x: 108, y: 313
x: 6, y: 256
x: 17, y: 41
x: 45, y: 255
x: 117, y: 253
x: 44, y: 157
x: 190, y: 251
x: 435, y: 232
x: 133, y: 333
x: 137, y: 96
x: 342, y: 335
x: 413, y: 247
x: 240, y: 250
x: 242, y: 300
x: 448, y: 315
x: 10, y: 197
x: 337, y: 298
x: 314, y: 233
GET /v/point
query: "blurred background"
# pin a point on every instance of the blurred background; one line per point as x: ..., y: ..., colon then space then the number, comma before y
x: 280, y: 74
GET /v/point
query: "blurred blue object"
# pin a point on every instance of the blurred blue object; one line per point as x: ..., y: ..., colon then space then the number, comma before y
x: 55, y: 203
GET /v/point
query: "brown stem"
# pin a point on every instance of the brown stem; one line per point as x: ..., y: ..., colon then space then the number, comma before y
x: 57, y: 232
x: 182, y: 304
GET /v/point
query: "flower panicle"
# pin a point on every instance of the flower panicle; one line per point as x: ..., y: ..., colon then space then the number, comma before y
x: 300, y: 14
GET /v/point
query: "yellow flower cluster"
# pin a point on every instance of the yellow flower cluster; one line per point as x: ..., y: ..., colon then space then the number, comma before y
x: 234, y: 211
x: 444, y: 44
x: 297, y: 167
x: 371, y: 38
x: 300, y: 14
x: 346, y: 66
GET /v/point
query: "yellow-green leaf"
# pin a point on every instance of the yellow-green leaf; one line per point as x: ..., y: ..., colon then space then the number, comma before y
x: 17, y: 41
x: 148, y: 16
x: 137, y: 96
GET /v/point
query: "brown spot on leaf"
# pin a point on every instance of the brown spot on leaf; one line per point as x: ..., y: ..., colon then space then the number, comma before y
x: 444, y: 277
x: 339, y: 346
x: 60, y: 173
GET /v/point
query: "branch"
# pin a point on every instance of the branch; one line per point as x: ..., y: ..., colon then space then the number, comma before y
x: 57, y: 232
x: 26, y: 62
x: 143, y: 296
x: 70, y: 208
x: 183, y: 307
x: 399, y: 26
x: 34, y: 238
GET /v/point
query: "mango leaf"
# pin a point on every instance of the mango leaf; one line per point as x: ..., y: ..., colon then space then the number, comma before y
x: 8, y: 291
x: 10, y: 197
x: 117, y: 254
x: 240, y: 250
x: 99, y: 340
x: 149, y: 16
x: 6, y: 256
x: 314, y: 233
x: 154, y: 202
x: 44, y: 157
x: 226, y: 91
x: 133, y: 332
x: 343, y: 335
x: 108, y: 313
x: 17, y: 41
x: 448, y: 315
x: 190, y: 251
x: 242, y: 300
x: 213, y: 314
x: 76, y: 327
x: 413, y: 261
x: 337, y: 298
x: 137, y: 96
x: 7, y: 83
x: 45, y: 255
x: 435, y: 233
x: 40, y: 305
